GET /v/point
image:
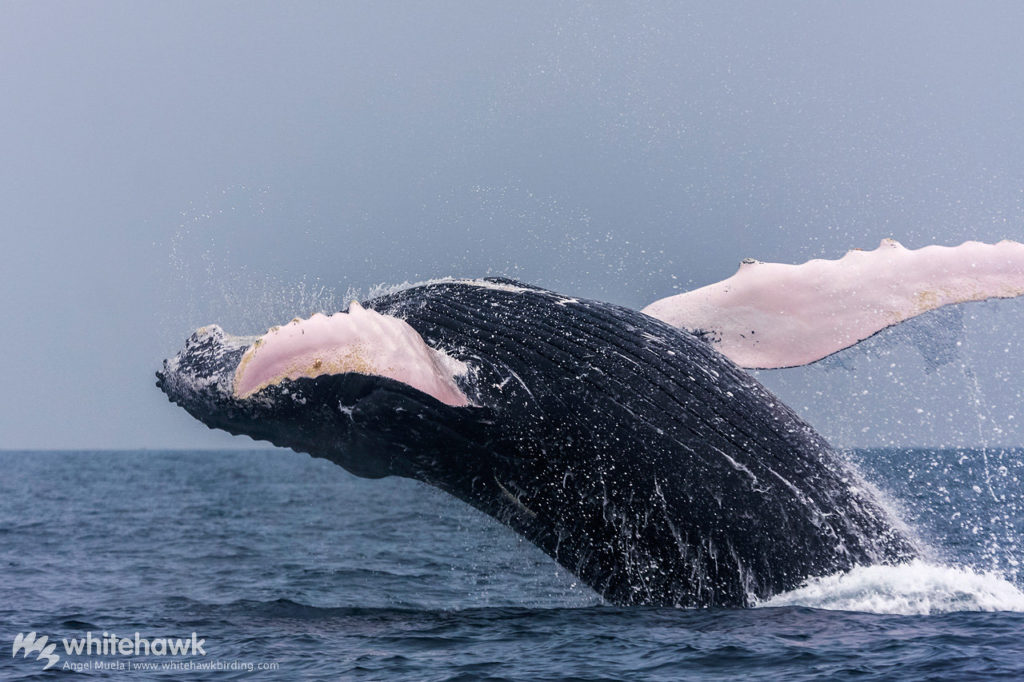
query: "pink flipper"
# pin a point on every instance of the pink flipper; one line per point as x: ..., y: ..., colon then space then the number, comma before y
x: 361, y: 341
x: 772, y: 315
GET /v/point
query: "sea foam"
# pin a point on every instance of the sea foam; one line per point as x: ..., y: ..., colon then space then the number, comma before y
x: 915, y: 588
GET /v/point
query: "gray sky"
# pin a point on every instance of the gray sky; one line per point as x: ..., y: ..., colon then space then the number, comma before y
x: 166, y: 165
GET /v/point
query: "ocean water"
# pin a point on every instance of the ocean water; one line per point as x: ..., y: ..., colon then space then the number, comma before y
x: 287, y: 567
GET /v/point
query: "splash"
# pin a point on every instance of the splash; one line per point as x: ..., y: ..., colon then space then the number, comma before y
x: 229, y: 261
x: 915, y: 588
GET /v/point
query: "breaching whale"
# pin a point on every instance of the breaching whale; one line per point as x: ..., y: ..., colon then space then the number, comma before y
x: 627, y: 445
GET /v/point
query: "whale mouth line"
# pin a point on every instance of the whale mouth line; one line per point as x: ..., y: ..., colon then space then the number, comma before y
x: 358, y: 341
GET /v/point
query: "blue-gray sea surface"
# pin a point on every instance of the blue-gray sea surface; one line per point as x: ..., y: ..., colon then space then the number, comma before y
x: 287, y: 567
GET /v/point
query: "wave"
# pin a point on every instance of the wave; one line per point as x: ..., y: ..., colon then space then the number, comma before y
x: 915, y: 588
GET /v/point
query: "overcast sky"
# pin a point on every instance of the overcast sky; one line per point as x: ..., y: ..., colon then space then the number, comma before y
x: 167, y: 165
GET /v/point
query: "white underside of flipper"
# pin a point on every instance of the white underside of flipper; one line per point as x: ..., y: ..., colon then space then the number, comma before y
x: 359, y: 341
x: 772, y: 315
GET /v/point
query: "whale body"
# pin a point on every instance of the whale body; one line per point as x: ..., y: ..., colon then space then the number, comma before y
x: 629, y: 450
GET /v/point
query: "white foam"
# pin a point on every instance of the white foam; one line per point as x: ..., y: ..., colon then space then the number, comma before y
x: 915, y: 588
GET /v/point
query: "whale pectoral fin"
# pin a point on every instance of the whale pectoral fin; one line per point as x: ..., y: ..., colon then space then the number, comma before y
x: 360, y: 341
x: 773, y: 315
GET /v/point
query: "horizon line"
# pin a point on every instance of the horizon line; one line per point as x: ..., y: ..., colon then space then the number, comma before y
x: 269, y: 448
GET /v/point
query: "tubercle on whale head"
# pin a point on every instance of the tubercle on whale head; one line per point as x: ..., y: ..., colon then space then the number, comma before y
x: 201, y: 368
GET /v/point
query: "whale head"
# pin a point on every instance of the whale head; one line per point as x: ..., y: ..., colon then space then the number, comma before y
x: 359, y: 388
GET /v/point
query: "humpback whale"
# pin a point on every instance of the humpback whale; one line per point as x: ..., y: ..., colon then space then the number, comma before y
x: 630, y: 446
